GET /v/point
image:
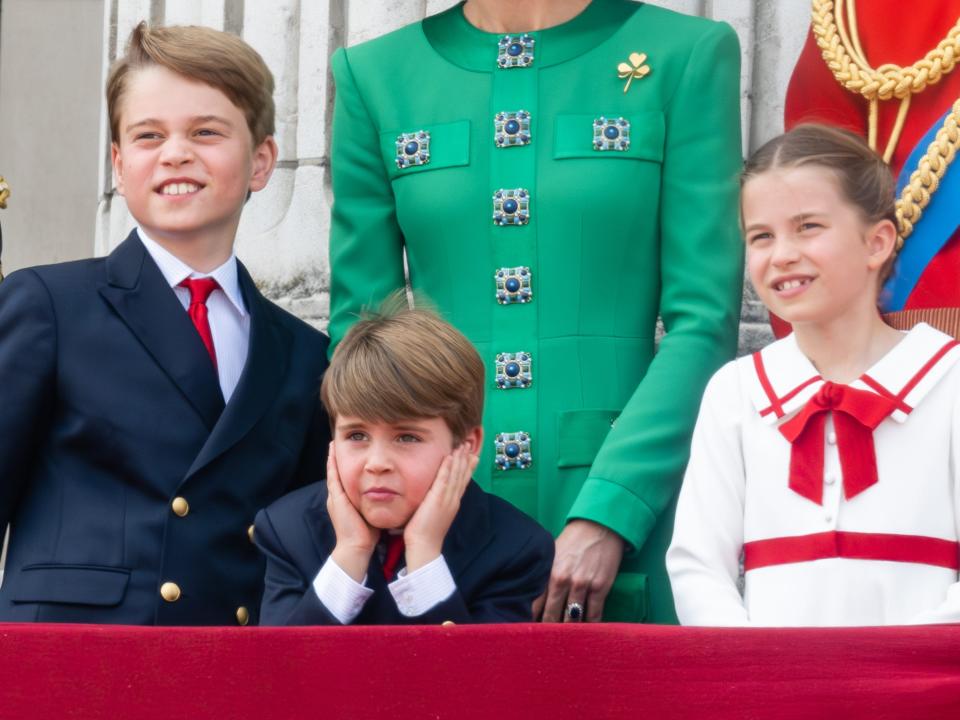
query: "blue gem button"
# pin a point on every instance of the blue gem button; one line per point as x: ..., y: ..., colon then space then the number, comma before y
x: 413, y: 149
x: 514, y: 285
x: 514, y: 370
x: 515, y: 51
x: 611, y: 134
x: 513, y: 451
x: 511, y: 207
x: 511, y: 129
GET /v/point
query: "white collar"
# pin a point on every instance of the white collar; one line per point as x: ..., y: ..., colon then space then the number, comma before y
x: 780, y: 378
x: 175, y: 271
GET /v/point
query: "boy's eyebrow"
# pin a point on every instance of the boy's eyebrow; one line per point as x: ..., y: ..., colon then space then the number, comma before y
x: 397, y: 426
x: 194, y: 121
x: 211, y: 118
x: 414, y: 427
x: 146, y: 121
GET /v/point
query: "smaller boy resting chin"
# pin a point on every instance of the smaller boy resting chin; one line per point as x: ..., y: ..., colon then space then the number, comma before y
x: 399, y: 533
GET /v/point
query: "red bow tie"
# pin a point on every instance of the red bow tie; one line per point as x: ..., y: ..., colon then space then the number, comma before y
x: 856, y: 413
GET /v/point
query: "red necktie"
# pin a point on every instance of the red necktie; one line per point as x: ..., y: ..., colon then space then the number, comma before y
x: 200, y: 289
x: 394, y: 552
x: 856, y: 413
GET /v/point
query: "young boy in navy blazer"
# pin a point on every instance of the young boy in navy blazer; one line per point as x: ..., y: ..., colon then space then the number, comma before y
x: 152, y: 400
x: 399, y: 533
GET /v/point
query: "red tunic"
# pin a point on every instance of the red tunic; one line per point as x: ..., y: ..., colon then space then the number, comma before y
x: 898, y: 32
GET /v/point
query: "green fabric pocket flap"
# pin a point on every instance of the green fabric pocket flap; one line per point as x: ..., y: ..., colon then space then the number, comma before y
x: 627, y: 601
x: 581, y: 433
x: 574, y: 137
x: 449, y: 147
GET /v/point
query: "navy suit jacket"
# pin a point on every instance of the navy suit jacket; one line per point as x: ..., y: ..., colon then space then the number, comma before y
x: 499, y: 557
x: 110, y: 410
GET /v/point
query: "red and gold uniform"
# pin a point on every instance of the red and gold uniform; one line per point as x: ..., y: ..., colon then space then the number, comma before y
x: 923, y: 40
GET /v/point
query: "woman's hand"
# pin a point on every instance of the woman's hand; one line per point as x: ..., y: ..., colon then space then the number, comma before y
x: 584, y: 568
x: 424, y: 534
x: 356, y: 539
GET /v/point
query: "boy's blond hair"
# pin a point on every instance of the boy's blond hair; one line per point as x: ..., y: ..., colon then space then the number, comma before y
x: 401, y: 363
x: 215, y: 58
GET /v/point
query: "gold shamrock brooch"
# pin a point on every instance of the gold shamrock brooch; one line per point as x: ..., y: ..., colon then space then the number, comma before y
x: 636, y: 69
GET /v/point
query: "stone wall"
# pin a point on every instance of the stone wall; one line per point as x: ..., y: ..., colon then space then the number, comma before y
x: 283, y: 236
x: 50, y: 61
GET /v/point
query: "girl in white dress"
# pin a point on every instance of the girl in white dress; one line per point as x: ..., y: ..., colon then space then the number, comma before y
x: 824, y: 467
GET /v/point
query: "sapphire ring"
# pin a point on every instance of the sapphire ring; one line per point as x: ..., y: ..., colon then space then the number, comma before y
x: 574, y: 612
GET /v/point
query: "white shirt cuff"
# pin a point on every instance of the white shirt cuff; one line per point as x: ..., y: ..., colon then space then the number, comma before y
x: 343, y: 596
x: 417, y: 592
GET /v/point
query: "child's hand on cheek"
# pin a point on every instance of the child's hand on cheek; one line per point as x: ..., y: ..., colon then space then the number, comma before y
x: 424, y: 534
x: 356, y: 539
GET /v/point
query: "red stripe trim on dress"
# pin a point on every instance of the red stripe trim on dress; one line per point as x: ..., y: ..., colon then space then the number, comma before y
x: 883, y: 392
x: 926, y: 368
x: 775, y: 405
x: 913, y: 382
x: 917, y: 549
x: 793, y: 393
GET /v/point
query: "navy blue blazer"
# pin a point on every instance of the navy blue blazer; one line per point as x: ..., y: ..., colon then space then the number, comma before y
x: 499, y: 557
x: 112, y: 415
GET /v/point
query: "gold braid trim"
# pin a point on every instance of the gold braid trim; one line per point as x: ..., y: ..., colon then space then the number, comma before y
x: 889, y: 80
x: 835, y: 28
x: 930, y: 170
x: 844, y: 56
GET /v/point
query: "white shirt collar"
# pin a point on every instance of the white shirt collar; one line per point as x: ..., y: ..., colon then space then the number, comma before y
x: 914, y: 365
x: 175, y: 271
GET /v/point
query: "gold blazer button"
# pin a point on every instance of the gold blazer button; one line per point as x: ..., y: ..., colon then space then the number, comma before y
x: 180, y: 506
x: 243, y: 615
x: 170, y: 592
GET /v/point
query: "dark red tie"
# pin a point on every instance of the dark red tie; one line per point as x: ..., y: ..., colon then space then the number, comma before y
x: 856, y: 413
x: 200, y: 289
x: 392, y: 557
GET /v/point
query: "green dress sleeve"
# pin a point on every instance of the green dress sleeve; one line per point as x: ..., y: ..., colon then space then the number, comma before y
x: 366, y: 244
x: 639, y: 467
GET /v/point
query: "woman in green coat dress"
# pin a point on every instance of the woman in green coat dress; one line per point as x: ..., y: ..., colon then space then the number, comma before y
x: 555, y: 191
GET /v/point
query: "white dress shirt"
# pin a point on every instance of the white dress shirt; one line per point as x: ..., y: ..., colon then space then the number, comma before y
x: 226, y: 311
x: 736, y: 493
x: 414, y: 593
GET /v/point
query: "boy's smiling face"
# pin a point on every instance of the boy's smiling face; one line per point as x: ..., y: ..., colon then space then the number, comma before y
x: 185, y: 160
x: 386, y: 469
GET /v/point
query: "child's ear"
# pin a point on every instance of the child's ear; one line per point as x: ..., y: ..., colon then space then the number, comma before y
x: 117, y: 163
x: 264, y: 161
x: 881, y: 241
x: 473, y: 440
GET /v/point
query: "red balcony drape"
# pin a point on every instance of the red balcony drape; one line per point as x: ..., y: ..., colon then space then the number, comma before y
x: 517, y: 671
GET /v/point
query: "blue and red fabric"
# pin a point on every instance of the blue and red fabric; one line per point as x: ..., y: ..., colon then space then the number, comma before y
x: 892, y: 31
